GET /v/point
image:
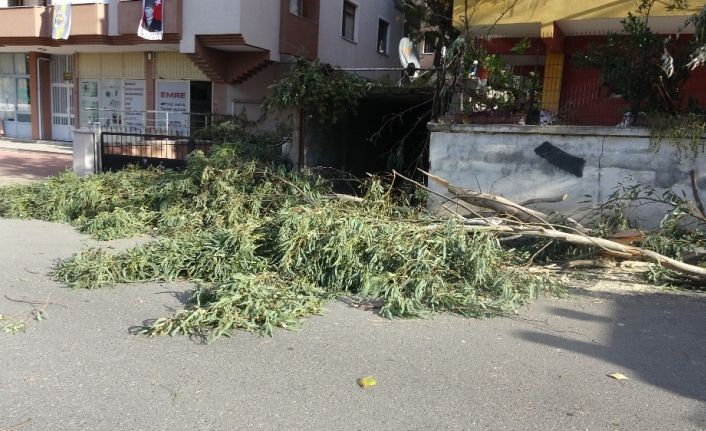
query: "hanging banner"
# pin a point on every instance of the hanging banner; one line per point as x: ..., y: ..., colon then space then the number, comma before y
x: 62, y: 21
x: 151, y: 22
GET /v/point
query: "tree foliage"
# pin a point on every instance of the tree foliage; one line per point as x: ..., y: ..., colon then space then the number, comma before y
x: 318, y: 90
x: 632, y: 64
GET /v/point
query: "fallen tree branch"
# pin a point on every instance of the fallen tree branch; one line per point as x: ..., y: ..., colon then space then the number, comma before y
x: 615, y: 249
x: 423, y: 187
x: 530, y: 228
x: 498, y: 204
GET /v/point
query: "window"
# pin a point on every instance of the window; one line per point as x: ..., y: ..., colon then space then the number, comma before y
x: 383, y: 36
x: 349, y: 16
x: 429, y: 43
x: 296, y: 7
x: 15, y: 103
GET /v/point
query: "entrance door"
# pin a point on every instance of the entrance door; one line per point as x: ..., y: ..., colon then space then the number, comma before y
x: 62, y: 100
x: 200, y: 104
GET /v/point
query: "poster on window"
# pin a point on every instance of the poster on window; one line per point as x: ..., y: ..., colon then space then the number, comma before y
x: 151, y: 23
x: 173, y: 106
x: 111, y: 102
x: 134, y: 115
x: 88, y: 102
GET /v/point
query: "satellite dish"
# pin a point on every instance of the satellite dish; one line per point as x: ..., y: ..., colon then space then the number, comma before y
x: 408, y: 59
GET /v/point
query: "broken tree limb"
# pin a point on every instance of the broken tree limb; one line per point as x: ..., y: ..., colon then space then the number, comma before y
x: 498, y: 204
x: 530, y: 228
x: 692, y: 272
x: 423, y: 187
x: 493, y: 202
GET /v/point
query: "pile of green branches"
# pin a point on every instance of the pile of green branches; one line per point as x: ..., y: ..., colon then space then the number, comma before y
x: 267, y: 247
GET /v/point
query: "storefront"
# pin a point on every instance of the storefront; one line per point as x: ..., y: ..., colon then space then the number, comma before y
x: 141, y: 93
x: 15, y: 102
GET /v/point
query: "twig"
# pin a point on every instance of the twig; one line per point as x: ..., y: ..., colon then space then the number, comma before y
x: 33, y: 302
x: 18, y: 425
x: 531, y: 259
x: 345, y: 198
x: 695, y: 191
x: 561, y: 198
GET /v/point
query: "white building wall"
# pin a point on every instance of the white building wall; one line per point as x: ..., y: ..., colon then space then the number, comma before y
x: 210, y: 17
x: 336, y: 50
x: 260, y: 26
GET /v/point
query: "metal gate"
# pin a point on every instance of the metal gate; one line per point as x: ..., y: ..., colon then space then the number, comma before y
x: 119, y: 150
x: 62, y: 103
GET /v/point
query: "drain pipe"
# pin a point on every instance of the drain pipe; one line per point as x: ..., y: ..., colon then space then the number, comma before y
x: 39, y: 101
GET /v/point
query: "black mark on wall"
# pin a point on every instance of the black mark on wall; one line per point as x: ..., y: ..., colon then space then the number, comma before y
x: 561, y: 159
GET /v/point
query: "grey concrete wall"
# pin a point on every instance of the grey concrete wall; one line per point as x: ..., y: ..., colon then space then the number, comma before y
x: 502, y: 160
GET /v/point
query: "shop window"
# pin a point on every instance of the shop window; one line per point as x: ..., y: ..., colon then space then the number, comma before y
x: 15, y: 102
x: 24, y: 103
x: 7, y: 65
x: 21, y: 64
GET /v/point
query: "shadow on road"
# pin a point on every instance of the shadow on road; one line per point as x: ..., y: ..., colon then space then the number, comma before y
x: 657, y: 338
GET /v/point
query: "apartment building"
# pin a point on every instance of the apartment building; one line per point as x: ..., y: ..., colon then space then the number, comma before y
x: 212, y: 56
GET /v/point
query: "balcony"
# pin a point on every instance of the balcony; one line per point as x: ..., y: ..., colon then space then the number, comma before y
x: 22, y: 22
x: 130, y: 13
x: 30, y: 22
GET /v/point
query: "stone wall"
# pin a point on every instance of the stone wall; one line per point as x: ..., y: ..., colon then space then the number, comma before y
x: 501, y: 159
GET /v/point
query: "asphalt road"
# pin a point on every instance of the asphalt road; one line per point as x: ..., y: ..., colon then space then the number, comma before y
x: 546, y: 369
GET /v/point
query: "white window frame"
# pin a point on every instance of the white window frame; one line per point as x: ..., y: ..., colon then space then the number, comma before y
x: 356, y: 21
x: 387, y: 37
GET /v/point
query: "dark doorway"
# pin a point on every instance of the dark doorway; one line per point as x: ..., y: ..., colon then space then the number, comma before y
x: 387, y: 131
x: 200, y: 103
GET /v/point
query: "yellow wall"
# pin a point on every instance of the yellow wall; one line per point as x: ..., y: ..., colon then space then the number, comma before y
x: 128, y: 65
x: 545, y: 12
x: 173, y: 65
x: 553, y: 74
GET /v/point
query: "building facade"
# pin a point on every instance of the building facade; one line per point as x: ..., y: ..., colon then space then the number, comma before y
x: 559, y: 29
x: 215, y: 56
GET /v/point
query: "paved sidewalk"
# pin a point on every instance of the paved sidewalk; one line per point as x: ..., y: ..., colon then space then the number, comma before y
x: 53, y: 147
x: 22, y: 166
